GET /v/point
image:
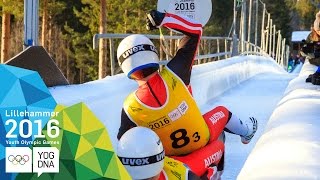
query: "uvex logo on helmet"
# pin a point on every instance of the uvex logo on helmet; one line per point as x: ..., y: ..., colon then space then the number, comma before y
x: 143, y: 160
x: 136, y: 49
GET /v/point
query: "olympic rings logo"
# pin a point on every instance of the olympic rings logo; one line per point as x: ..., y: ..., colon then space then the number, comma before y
x: 18, y: 159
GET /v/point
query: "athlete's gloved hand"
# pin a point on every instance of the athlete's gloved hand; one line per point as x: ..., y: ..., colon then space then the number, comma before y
x: 154, y: 19
x: 309, y: 78
x: 315, y: 80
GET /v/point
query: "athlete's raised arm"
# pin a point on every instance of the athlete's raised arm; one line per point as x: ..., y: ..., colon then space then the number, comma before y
x: 182, y: 62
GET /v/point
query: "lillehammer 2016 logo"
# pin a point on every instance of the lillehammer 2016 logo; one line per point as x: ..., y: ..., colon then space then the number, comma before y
x: 26, y: 109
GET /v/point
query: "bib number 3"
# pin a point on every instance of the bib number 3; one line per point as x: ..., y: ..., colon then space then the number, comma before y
x: 180, y: 139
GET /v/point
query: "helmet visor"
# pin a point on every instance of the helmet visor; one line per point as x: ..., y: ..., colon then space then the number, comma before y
x: 142, y: 73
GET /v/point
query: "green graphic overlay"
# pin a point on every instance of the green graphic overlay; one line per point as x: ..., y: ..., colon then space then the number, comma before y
x: 85, y: 148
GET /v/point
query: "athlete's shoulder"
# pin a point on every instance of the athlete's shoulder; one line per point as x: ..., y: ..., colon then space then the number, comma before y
x: 128, y: 99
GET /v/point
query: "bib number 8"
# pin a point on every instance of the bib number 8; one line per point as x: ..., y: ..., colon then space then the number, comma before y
x: 180, y: 139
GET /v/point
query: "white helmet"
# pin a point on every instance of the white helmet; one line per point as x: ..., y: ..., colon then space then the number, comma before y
x: 141, y: 152
x: 137, y: 53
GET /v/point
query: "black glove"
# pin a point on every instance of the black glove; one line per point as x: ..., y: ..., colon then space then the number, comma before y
x: 309, y: 78
x: 315, y: 80
x: 154, y: 19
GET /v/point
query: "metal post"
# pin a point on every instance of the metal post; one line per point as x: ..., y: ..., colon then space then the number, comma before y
x: 249, y: 23
x: 263, y: 43
x: 274, y: 40
x: 218, y: 48
x: 282, y: 53
x: 256, y: 26
x: 270, y: 37
x: 235, y: 51
x: 278, y: 47
x: 240, y: 35
x: 283, y: 59
x: 244, y: 25
x: 225, y: 48
x: 267, y: 35
x: 209, y: 49
x: 112, y: 60
x: 31, y: 22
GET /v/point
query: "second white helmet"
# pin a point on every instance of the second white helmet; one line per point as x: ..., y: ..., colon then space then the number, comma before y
x: 141, y: 152
x: 137, y: 53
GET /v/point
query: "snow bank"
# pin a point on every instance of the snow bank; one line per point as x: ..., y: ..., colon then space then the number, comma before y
x: 105, y: 97
x: 290, y: 145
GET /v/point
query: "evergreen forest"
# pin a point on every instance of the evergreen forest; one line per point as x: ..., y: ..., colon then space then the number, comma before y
x: 67, y: 27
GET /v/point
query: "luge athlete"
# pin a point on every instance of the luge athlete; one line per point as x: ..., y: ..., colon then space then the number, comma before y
x: 164, y: 103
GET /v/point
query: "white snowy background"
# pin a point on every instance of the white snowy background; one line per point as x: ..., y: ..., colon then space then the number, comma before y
x: 287, y: 143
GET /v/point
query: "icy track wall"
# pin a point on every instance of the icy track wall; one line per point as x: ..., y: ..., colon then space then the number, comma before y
x: 290, y: 145
x: 212, y: 79
x: 105, y: 97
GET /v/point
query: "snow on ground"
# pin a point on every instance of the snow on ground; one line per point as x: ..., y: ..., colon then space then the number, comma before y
x: 248, y: 86
x: 256, y: 97
x: 289, y: 147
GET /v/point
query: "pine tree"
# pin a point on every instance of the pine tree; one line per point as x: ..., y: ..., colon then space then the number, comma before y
x: 221, y: 18
x: 102, y: 42
x: 280, y: 14
x: 9, y: 7
x: 306, y: 11
x: 85, y: 56
x: 44, y: 31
